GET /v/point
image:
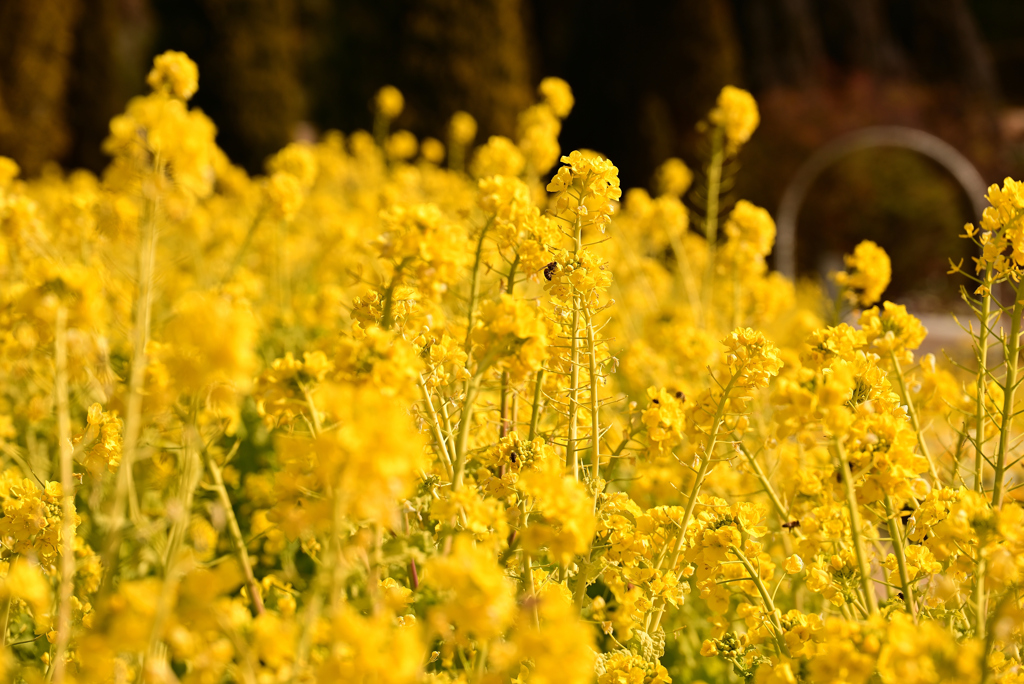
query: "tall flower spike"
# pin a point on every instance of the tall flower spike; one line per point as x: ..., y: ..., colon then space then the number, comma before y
x: 587, y: 185
x: 175, y: 73
x: 868, y: 272
x: 736, y: 112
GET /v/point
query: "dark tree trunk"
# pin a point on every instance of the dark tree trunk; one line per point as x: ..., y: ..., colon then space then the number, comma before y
x: 36, y: 44
x: 947, y: 46
x: 468, y: 54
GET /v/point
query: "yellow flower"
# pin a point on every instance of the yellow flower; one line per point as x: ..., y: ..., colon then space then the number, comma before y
x: 558, y: 95
x: 424, y: 243
x: 736, y: 112
x: 751, y: 226
x: 584, y: 272
x: 462, y: 128
x: 587, y: 185
x: 752, y: 357
x: 516, y: 331
x: 432, y: 150
x: 499, y: 157
x: 927, y: 652
x: 868, y: 272
x: 175, y: 73
x: 560, y: 650
x: 562, y: 520
x: 25, y: 581
x: 1000, y: 230
x: 9, y: 170
x: 673, y: 177
x: 396, y: 596
x: 893, y: 330
x: 297, y: 159
x: 345, y: 457
x: 389, y: 102
x: 665, y: 420
x: 285, y: 193
x: 210, y: 339
x: 537, y: 137
x: 401, y: 145
x: 32, y: 516
x: 621, y: 667
x: 103, y: 440
x: 479, y: 601
x: 371, y: 649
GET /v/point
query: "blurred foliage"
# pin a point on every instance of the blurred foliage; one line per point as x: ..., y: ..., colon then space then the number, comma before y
x: 36, y: 42
x: 643, y: 73
x: 248, y: 52
x: 907, y: 204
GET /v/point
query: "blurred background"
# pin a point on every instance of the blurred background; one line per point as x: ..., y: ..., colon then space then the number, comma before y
x: 644, y: 73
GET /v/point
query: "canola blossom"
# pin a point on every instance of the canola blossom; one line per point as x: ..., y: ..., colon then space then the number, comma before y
x: 409, y: 411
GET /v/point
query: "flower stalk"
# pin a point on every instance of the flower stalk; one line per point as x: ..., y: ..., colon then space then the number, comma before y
x: 856, y: 528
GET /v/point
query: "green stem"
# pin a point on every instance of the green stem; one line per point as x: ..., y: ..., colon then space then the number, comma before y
x: 780, y: 510
x: 531, y: 587
x: 124, y: 492
x: 465, y: 422
x: 474, y: 287
x: 711, y: 220
x: 538, y: 397
x: 510, y: 281
x: 5, y: 606
x: 67, y: 560
x: 736, y: 298
x: 235, y: 532
x: 856, y: 530
x: 243, y: 249
x: 571, y: 457
x: 187, y: 481
x: 980, y: 600
x: 685, y: 272
x: 571, y: 446
x: 912, y: 412
x: 979, y: 408
x: 381, y: 126
x: 766, y: 597
x: 389, y: 295
x: 989, y: 635
x: 481, y: 662
x: 314, y: 414
x: 691, y: 502
x: 595, y: 406
x: 580, y: 591
x: 505, y: 426
x: 901, y: 559
x: 435, y: 426
x: 309, y: 621
x: 1009, y: 390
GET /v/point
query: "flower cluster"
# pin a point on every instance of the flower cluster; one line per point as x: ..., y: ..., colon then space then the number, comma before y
x: 392, y: 413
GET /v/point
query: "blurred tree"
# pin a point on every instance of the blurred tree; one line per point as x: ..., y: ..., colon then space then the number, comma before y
x: 472, y: 55
x: 250, y: 79
x: 113, y: 44
x: 643, y: 73
x: 36, y: 44
x: 445, y: 55
x: 947, y: 46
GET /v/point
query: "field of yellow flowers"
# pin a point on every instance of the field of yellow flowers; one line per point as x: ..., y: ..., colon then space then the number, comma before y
x: 417, y: 411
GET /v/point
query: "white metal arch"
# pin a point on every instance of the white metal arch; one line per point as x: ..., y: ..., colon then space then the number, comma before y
x: 876, y: 136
